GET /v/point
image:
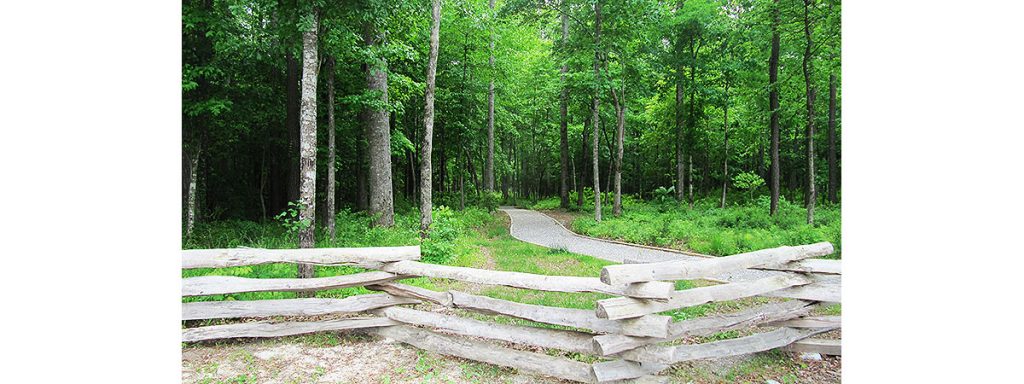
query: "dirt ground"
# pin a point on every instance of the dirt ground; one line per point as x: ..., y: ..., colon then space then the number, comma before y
x: 333, y: 359
x: 365, y: 359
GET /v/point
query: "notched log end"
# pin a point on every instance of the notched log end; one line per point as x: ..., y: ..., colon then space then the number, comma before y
x: 601, y: 312
x: 606, y: 275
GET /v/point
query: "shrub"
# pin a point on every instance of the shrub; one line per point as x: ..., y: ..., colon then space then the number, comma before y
x: 747, y: 181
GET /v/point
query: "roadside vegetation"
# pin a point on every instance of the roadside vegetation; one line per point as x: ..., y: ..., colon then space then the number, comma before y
x: 744, y: 225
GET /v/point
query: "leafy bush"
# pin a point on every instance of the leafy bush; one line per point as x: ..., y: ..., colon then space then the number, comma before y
x: 748, y: 181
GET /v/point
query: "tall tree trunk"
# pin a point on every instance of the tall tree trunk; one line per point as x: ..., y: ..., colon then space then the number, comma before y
x: 725, y: 158
x: 564, y: 113
x: 680, y: 134
x: 597, y: 109
x: 773, y: 106
x: 833, y: 169
x: 426, y: 216
x: 489, y: 167
x: 331, y: 174
x: 620, y: 129
x: 382, y: 203
x: 812, y: 195
x: 307, y: 144
x: 193, y: 175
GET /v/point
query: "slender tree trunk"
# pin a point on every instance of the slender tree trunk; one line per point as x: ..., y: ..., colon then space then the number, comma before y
x: 833, y: 169
x: 382, y: 203
x: 725, y: 158
x: 773, y: 106
x: 564, y: 111
x: 809, y: 86
x: 597, y: 109
x: 680, y: 135
x: 307, y: 144
x: 426, y: 216
x: 193, y: 175
x: 694, y: 51
x: 331, y: 174
x: 620, y: 129
x: 489, y: 167
x: 575, y: 185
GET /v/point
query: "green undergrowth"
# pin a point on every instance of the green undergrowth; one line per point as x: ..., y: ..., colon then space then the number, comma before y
x: 450, y: 228
x: 707, y: 228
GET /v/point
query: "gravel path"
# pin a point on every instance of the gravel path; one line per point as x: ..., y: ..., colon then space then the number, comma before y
x: 537, y: 228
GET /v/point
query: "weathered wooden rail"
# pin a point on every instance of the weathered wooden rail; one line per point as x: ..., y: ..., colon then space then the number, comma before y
x: 632, y: 341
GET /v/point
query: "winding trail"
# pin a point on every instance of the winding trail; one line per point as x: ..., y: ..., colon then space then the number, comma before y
x: 540, y: 229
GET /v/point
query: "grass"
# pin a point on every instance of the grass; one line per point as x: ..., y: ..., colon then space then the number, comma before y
x: 353, y: 230
x: 706, y: 228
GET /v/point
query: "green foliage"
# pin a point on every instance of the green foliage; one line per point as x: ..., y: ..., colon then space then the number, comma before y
x: 711, y: 230
x: 353, y: 230
x: 748, y: 181
x: 547, y: 204
x: 290, y: 218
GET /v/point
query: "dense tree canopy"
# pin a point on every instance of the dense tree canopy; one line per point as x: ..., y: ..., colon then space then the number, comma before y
x: 687, y: 82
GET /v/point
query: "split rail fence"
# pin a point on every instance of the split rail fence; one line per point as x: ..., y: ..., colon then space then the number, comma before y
x: 630, y: 339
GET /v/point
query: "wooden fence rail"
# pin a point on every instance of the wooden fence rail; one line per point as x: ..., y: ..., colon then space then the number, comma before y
x: 631, y: 341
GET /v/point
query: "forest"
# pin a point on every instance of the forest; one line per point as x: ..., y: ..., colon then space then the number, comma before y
x: 301, y: 112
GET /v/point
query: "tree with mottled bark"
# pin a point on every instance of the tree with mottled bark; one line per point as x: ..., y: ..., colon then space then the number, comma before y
x: 426, y: 183
x: 193, y: 175
x: 307, y: 143
x: 808, y: 66
x: 378, y: 130
x: 564, y: 113
x: 773, y: 106
x: 331, y: 155
x: 597, y: 109
x: 489, y: 167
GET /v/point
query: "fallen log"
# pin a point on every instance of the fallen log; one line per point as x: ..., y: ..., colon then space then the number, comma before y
x: 626, y: 307
x: 651, y: 325
x: 219, y: 285
x: 651, y: 290
x: 686, y: 269
x: 265, y: 329
x: 288, y: 307
x: 371, y: 258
